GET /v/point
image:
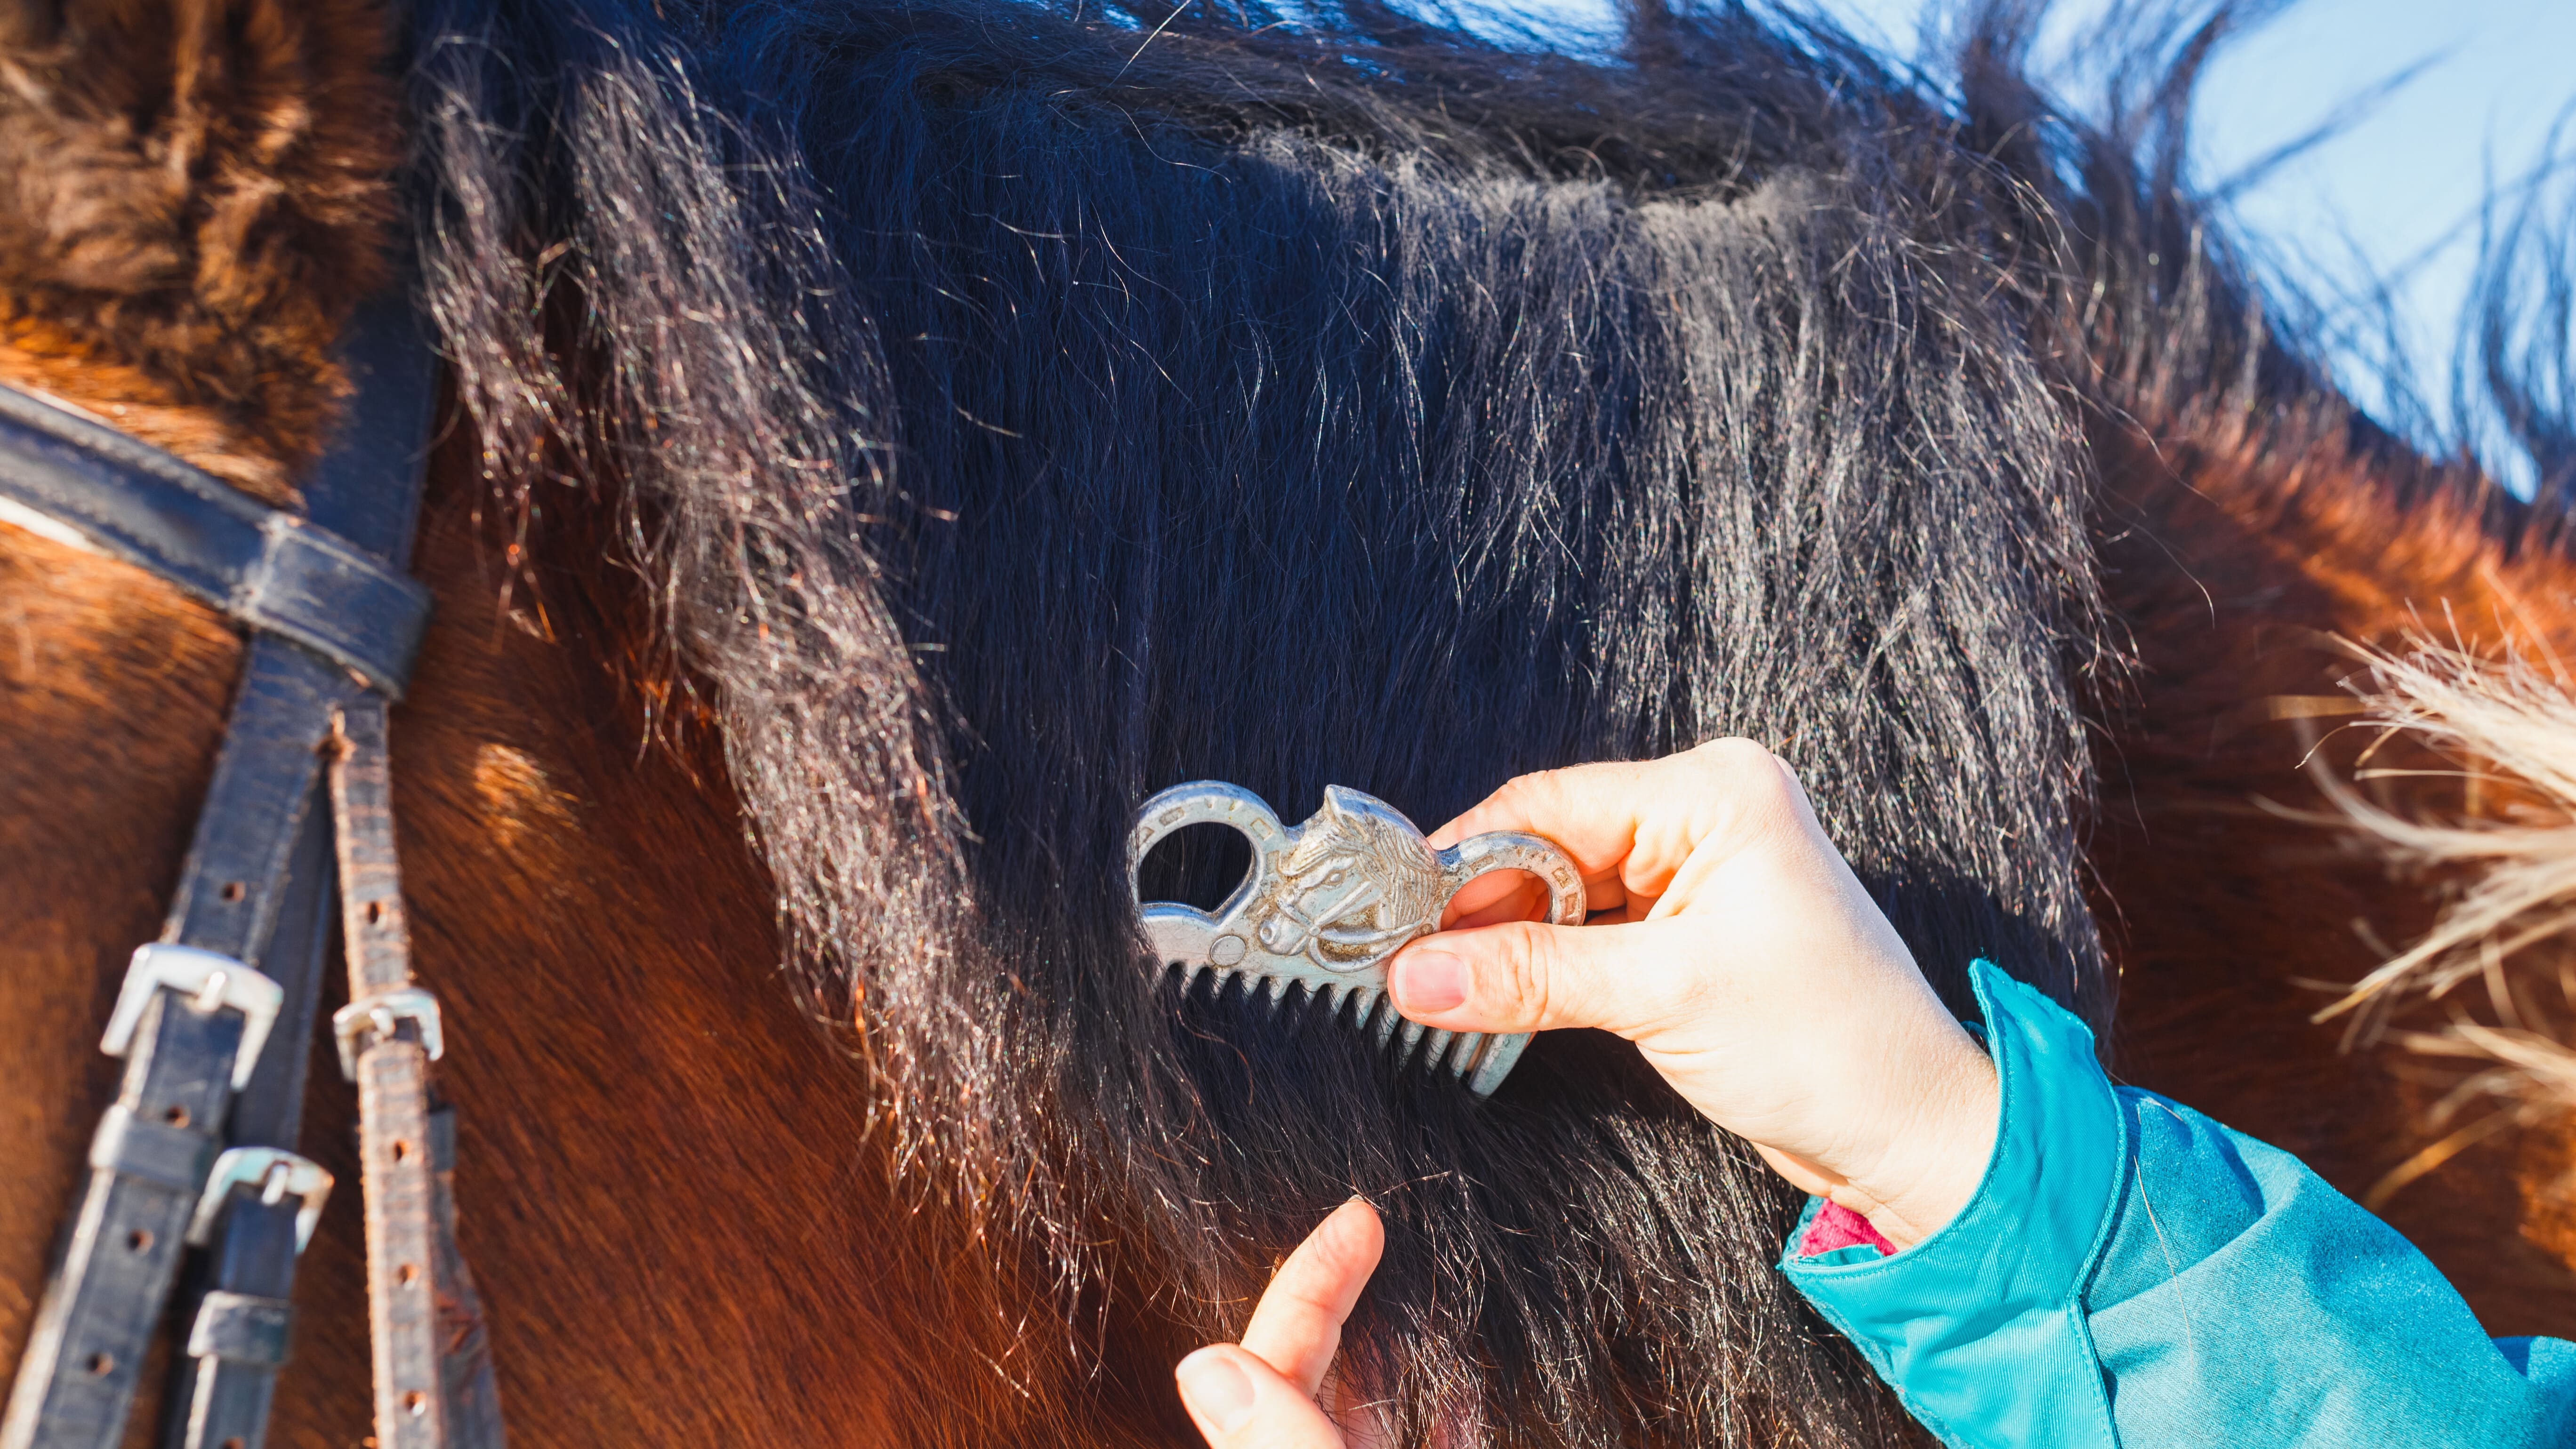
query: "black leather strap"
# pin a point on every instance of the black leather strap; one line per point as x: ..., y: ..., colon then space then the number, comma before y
x: 367, y: 488
x: 76, y: 1383
x: 234, y: 884
x: 238, y: 1336
x: 276, y: 573
x: 263, y: 791
x: 332, y: 623
x: 217, y: 1396
x: 270, y: 1111
x: 473, y: 1399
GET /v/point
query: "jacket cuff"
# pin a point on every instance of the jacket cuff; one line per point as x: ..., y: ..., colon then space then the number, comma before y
x: 1980, y: 1327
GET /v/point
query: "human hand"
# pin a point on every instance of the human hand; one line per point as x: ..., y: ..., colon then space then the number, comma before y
x: 1262, y: 1393
x: 1733, y: 945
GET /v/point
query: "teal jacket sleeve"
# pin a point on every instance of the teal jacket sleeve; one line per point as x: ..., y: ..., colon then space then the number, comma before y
x: 2131, y: 1273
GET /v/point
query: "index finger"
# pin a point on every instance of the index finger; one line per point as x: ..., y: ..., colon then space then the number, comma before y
x: 1298, y: 1323
x: 1630, y: 826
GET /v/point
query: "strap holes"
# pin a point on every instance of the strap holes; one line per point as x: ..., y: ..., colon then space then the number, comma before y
x: 176, y: 1116
x: 415, y: 1403
x: 402, y: 1150
x: 101, y: 1365
x: 407, y: 1274
x: 375, y: 913
x: 139, y: 1241
x: 233, y: 1443
x: 234, y: 890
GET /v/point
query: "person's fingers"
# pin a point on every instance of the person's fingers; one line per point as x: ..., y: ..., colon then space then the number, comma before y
x: 1239, y: 1402
x: 1629, y: 827
x: 1495, y: 897
x: 1260, y: 1394
x: 1530, y: 977
x: 1590, y: 811
x: 1298, y: 1323
x: 1514, y: 895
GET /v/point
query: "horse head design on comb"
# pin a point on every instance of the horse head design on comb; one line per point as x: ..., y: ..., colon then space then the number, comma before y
x: 1326, y: 903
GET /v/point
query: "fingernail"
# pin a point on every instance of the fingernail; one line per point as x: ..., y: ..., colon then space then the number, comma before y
x: 1429, y: 981
x: 1215, y: 1389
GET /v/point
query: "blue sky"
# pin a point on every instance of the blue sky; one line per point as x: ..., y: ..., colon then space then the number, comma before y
x: 2394, y: 196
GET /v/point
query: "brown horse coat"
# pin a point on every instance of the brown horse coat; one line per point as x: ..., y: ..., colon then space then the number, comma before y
x: 683, y: 1224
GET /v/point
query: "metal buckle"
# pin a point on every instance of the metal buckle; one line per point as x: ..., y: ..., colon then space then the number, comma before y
x: 278, y: 1172
x: 211, y: 981
x: 377, y: 1014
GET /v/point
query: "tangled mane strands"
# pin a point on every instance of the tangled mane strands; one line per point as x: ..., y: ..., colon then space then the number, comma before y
x: 2524, y: 368
x: 2509, y: 727
x: 2506, y: 722
x: 2191, y: 332
x: 1017, y: 411
x: 2183, y: 333
x: 718, y: 379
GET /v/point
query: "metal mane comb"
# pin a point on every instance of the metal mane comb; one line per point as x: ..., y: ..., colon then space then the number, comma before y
x: 1326, y: 903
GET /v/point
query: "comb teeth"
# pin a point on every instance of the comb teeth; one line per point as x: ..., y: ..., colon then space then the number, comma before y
x: 1351, y: 1006
x: 1326, y: 904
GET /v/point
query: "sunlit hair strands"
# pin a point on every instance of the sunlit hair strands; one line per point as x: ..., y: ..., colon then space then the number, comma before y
x: 1020, y: 409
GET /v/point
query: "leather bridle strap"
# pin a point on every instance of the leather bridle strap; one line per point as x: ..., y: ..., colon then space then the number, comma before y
x: 199, y: 995
x: 367, y: 490
x: 274, y: 572
x: 224, y: 1003
x: 431, y: 1389
x: 256, y: 1210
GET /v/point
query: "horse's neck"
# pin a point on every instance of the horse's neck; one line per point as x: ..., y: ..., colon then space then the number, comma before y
x: 669, y: 1193
x: 668, y: 1167
x: 667, y: 1170
x: 193, y: 202
x: 113, y: 691
x: 2238, y: 567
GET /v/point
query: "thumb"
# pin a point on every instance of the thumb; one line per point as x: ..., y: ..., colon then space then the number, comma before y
x: 1239, y: 1402
x: 1527, y: 976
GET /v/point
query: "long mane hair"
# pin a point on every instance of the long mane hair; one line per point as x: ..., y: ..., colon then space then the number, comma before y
x: 1017, y: 408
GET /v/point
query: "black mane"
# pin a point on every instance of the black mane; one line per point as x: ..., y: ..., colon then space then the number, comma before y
x: 1022, y: 408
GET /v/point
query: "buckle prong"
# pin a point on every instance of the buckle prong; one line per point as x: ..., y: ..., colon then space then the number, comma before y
x: 370, y: 1019
x: 278, y: 1173
x: 210, y: 981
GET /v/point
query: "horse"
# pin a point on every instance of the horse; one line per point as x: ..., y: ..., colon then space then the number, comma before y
x: 881, y: 445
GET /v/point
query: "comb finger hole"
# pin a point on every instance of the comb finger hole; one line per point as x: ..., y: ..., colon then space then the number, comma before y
x: 1495, y: 897
x: 1200, y: 865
